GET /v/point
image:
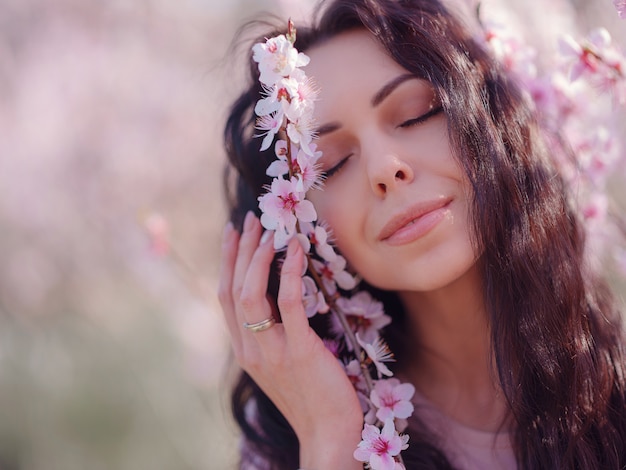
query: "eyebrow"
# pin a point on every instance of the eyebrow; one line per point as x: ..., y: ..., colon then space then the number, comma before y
x: 327, y: 128
x: 377, y: 99
x: 386, y: 90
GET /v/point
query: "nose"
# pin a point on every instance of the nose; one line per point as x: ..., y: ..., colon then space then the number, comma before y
x: 387, y: 171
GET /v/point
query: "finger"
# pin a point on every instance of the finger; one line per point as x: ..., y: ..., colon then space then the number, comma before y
x: 290, y: 291
x: 230, y: 242
x: 248, y: 243
x: 253, y: 301
x: 254, y: 304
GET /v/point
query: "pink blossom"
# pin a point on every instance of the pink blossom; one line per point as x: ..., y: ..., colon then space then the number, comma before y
x: 597, y: 154
x: 280, y: 149
x: 280, y: 167
x: 566, y: 100
x: 596, y: 208
x: 270, y: 125
x: 158, y: 232
x: 355, y: 374
x: 306, y: 168
x: 365, y: 315
x: 620, y: 5
x: 379, y: 353
x: 379, y: 448
x: 599, y: 39
x: 277, y: 58
x: 334, y: 273
x: 302, y: 95
x: 300, y: 131
x: 282, y: 207
x: 268, y: 105
x: 319, y: 236
x: 585, y: 56
x: 393, y: 399
x: 294, y: 94
x: 511, y: 52
x: 594, y: 56
x: 370, y: 412
x: 312, y: 298
x: 612, y: 78
x: 578, y: 59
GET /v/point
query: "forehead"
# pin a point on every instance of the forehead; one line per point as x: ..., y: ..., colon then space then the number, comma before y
x: 349, y: 63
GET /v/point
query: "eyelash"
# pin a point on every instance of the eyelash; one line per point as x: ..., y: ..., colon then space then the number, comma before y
x: 333, y: 170
x: 409, y: 123
x: 422, y: 118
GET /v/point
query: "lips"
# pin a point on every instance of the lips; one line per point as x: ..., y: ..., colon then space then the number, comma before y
x: 414, y: 222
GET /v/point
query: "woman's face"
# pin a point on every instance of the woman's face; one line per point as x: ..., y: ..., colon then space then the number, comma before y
x: 395, y: 197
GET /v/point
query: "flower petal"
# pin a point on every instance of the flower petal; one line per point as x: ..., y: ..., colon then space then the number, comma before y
x: 382, y: 462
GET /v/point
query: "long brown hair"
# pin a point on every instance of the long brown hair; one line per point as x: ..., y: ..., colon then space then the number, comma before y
x: 556, y: 331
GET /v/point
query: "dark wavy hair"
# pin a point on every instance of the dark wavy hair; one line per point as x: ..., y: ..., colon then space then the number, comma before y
x: 555, y: 329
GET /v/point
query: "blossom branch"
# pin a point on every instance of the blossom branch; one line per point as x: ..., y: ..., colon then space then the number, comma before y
x: 286, y: 110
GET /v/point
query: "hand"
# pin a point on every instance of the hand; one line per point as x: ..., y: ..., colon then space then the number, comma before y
x: 288, y: 361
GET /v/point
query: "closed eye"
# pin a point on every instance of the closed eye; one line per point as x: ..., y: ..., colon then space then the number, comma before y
x: 334, y: 169
x: 422, y: 118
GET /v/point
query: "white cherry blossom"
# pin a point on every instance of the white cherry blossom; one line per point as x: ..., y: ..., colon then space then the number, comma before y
x: 393, y: 399
x: 307, y: 169
x: 280, y: 166
x: 300, y: 131
x: 313, y: 299
x: 333, y: 274
x: 277, y: 58
x: 379, y: 353
x: 269, y: 125
x: 365, y: 315
x: 282, y: 207
x: 380, y: 447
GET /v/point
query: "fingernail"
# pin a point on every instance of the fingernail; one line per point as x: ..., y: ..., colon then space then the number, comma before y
x: 267, y: 235
x: 247, y: 222
x: 293, y: 248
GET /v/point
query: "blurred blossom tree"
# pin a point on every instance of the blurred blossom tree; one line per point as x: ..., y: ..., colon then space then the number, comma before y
x: 109, y: 110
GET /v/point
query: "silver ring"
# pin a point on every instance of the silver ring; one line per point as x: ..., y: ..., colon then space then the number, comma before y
x: 260, y: 326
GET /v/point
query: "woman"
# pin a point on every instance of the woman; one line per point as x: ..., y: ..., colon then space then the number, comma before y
x: 442, y: 197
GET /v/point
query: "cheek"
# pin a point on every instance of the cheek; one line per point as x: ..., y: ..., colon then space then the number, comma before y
x: 336, y: 208
x: 444, y: 258
x: 344, y: 212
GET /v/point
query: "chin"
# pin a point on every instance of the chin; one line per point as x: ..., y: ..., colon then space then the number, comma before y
x: 427, y: 276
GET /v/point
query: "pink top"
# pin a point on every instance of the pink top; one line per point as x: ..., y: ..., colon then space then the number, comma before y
x: 466, y: 448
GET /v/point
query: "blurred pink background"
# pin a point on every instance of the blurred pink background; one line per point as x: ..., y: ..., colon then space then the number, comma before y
x: 112, y: 356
